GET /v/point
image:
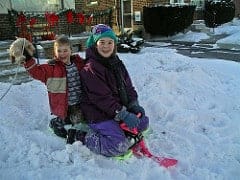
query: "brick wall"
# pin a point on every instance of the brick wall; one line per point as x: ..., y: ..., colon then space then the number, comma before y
x: 6, y: 30
x: 107, y: 4
x: 116, y: 14
x: 79, y: 5
x: 10, y: 31
x: 237, y: 8
x: 65, y: 28
x: 103, y: 5
x: 138, y: 6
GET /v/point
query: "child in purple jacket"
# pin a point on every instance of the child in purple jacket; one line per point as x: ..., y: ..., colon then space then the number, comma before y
x: 109, y: 96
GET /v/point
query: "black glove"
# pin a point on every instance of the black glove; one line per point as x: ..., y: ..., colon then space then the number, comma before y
x: 130, y: 119
x: 27, y: 55
x: 135, y: 108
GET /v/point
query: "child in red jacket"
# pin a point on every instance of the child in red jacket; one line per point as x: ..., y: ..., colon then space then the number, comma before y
x: 61, y: 77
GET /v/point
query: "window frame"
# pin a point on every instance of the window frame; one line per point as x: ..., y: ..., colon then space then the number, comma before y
x: 91, y: 2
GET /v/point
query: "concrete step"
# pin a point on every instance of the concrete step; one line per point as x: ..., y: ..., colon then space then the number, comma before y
x: 16, y: 75
x: 4, y: 55
x: 17, y: 69
x: 6, y: 65
x: 9, y: 72
x: 21, y: 78
x: 199, y: 21
x: 199, y: 26
x: 5, y: 44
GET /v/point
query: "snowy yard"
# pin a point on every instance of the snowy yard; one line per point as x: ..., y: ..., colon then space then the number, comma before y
x: 194, y: 109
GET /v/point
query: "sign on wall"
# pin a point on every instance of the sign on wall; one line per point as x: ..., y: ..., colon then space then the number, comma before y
x: 137, y: 15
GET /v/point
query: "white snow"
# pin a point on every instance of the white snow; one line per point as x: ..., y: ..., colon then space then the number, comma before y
x: 194, y: 110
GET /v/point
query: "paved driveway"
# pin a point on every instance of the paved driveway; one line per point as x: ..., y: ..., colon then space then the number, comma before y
x: 203, y: 49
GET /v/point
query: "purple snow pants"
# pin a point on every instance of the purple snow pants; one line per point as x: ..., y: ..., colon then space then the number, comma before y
x: 108, y: 139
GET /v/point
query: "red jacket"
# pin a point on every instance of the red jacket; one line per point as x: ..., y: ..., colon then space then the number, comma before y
x: 53, y: 75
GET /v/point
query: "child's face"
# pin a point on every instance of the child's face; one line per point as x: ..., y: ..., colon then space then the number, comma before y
x: 105, y: 47
x: 63, y: 53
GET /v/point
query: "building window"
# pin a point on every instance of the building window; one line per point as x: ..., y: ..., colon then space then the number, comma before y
x: 176, y: 2
x: 127, y: 14
x: 92, y: 2
x: 198, y: 3
x: 43, y: 5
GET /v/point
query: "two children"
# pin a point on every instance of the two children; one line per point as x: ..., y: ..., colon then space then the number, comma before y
x: 103, y: 92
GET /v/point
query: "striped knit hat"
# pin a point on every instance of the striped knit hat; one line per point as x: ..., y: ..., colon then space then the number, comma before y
x: 100, y: 31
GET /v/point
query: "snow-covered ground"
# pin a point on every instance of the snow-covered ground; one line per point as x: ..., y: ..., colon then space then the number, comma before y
x: 194, y: 110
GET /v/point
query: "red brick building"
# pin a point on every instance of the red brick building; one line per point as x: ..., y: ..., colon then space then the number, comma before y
x: 127, y: 12
x: 132, y: 11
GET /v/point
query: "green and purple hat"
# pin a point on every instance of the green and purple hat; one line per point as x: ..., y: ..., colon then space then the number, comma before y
x: 100, y: 31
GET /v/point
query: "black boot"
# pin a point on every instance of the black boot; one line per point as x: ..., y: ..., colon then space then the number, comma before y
x: 71, y: 136
x: 75, y: 135
x: 57, y: 125
x: 80, y: 136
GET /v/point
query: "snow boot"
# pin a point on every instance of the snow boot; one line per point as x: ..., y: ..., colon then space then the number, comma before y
x: 75, y: 135
x: 57, y: 125
x: 80, y: 136
x: 71, y: 134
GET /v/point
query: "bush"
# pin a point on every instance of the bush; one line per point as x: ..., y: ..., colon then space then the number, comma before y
x: 167, y: 20
x: 217, y: 13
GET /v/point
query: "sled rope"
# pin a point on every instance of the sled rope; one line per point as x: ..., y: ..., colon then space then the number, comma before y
x: 15, y: 76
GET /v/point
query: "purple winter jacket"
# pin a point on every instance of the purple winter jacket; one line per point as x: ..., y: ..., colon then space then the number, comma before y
x: 101, y: 97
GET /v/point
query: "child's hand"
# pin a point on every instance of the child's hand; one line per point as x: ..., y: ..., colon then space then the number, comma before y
x: 136, y: 109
